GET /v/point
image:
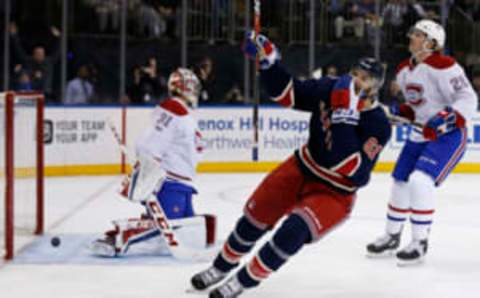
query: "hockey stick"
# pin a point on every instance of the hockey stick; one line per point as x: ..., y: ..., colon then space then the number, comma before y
x: 178, y: 251
x: 256, y: 87
x: 394, y: 119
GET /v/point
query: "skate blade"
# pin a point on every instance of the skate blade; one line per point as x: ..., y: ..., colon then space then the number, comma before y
x: 193, y: 291
x: 384, y: 255
x: 410, y: 263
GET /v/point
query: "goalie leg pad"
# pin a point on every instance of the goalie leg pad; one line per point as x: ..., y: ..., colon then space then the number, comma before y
x: 196, y: 231
x: 176, y: 199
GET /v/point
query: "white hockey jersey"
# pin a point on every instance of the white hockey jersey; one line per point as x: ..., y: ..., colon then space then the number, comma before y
x: 434, y: 84
x: 173, y: 138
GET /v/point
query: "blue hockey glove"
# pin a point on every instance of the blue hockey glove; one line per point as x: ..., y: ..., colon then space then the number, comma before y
x: 444, y: 122
x: 267, y: 51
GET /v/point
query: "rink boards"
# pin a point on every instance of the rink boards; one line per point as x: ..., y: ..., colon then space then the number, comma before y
x: 78, y: 140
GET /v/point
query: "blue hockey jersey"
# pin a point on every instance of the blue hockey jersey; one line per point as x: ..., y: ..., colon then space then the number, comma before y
x: 341, y: 151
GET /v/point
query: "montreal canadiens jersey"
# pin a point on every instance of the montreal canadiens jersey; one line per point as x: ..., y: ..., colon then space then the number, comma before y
x: 434, y: 84
x: 341, y: 151
x: 173, y: 138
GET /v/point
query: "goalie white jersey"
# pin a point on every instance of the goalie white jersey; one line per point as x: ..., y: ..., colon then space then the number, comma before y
x: 173, y: 139
x: 434, y: 84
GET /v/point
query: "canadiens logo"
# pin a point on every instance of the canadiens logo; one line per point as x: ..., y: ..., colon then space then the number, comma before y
x: 414, y: 94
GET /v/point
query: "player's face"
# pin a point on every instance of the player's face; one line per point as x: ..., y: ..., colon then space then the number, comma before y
x: 364, y: 80
x: 417, y: 40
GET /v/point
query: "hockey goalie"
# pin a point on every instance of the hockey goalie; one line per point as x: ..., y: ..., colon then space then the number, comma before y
x: 167, y: 154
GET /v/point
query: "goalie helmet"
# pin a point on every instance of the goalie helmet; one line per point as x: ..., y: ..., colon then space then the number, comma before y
x: 433, y: 31
x: 374, y: 68
x: 185, y: 84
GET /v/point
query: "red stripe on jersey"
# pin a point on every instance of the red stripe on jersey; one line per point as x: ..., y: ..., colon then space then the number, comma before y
x: 332, y: 177
x: 258, y: 269
x: 349, y: 165
x: 340, y: 99
x: 175, y: 107
x: 287, y: 97
x: 398, y: 209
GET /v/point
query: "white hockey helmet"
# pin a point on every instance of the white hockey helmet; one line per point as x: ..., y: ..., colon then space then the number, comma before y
x: 184, y: 83
x: 433, y: 31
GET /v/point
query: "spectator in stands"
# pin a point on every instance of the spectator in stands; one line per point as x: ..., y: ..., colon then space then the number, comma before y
x: 393, y: 15
x: 360, y: 15
x: 23, y: 82
x: 158, y: 17
x: 203, y: 69
x: 148, y: 84
x: 331, y: 71
x: 38, y: 64
x: 416, y: 11
x: 79, y: 90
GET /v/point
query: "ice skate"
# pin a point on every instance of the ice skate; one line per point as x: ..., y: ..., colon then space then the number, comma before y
x: 231, y: 289
x: 413, y: 254
x: 384, y: 246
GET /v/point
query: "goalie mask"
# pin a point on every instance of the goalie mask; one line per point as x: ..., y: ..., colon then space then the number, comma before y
x: 185, y: 84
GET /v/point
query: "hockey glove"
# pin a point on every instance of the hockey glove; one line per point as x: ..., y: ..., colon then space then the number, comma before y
x: 402, y: 110
x: 267, y: 51
x: 444, y: 122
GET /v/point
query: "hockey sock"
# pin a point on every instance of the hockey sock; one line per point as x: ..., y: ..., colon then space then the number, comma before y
x: 288, y: 240
x: 398, y: 207
x: 422, y: 190
x: 239, y: 243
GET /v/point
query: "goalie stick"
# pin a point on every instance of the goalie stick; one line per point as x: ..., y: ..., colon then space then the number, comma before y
x: 178, y: 251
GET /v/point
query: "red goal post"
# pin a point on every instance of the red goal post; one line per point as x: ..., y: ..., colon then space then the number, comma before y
x: 22, y: 167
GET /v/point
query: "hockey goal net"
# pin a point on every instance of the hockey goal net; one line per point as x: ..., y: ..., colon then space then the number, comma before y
x: 21, y: 169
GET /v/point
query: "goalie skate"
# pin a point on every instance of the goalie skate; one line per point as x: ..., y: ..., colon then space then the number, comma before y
x: 105, y: 247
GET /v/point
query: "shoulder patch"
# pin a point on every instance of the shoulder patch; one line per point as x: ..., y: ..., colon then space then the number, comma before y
x: 440, y: 61
x: 402, y: 65
x: 343, y: 82
x: 174, y: 107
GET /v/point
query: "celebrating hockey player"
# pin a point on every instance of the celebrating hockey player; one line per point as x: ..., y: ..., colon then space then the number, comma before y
x: 315, y: 188
x: 167, y: 154
x: 439, y: 96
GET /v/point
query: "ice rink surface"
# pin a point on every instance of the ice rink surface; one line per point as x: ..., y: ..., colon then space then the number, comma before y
x: 335, y: 267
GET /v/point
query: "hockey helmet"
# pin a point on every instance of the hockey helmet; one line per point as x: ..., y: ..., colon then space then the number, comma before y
x: 184, y: 83
x: 374, y: 68
x: 433, y: 31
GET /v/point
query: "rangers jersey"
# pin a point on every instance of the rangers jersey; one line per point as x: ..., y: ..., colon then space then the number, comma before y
x: 342, y: 149
x: 173, y: 138
x: 434, y: 84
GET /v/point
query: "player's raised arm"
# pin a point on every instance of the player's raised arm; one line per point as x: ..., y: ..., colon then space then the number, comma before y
x: 282, y: 87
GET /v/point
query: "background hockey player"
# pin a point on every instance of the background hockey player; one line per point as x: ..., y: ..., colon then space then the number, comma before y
x: 167, y: 153
x: 315, y: 188
x: 439, y: 96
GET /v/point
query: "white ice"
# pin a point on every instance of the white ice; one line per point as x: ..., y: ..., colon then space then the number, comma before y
x: 335, y: 267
